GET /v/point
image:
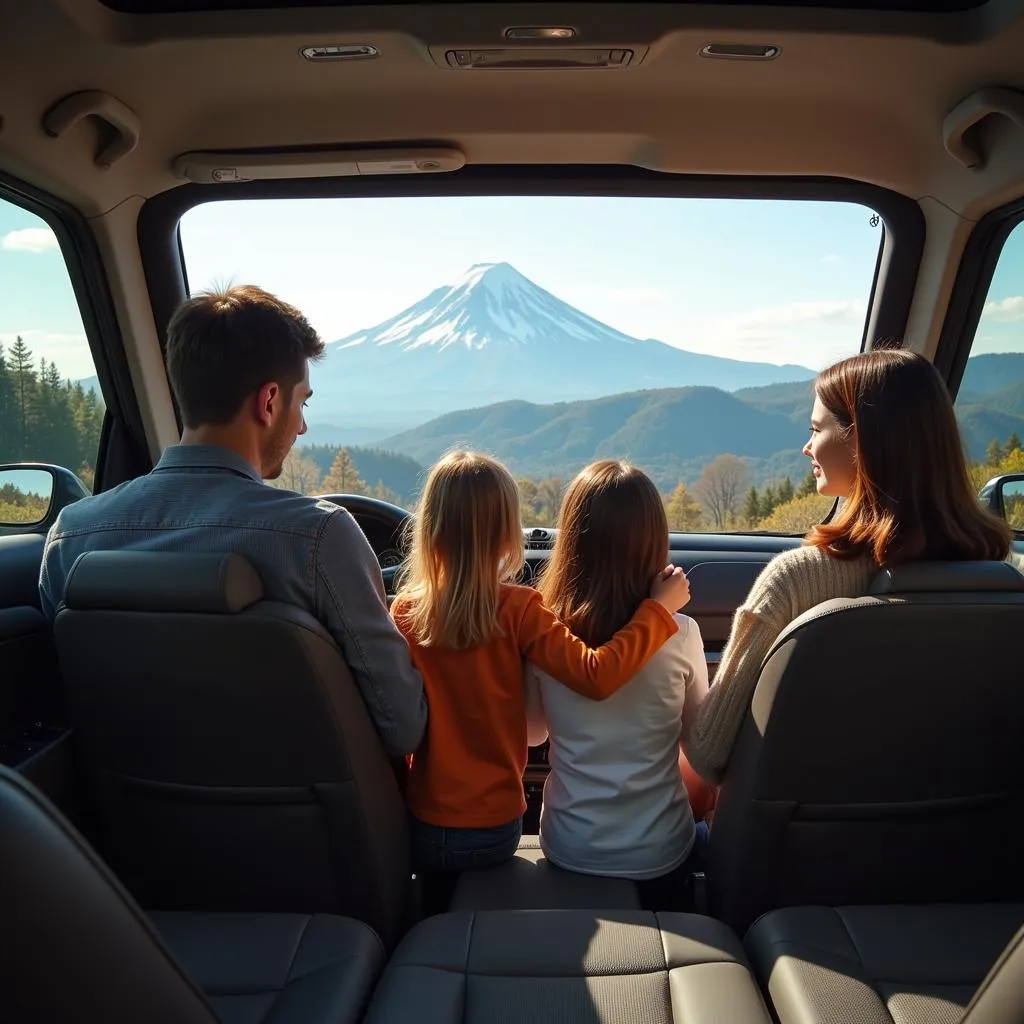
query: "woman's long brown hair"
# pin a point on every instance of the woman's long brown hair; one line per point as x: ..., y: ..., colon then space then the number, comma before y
x: 912, y: 497
x: 612, y: 541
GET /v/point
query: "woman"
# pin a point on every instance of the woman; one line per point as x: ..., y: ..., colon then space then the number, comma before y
x: 885, y: 439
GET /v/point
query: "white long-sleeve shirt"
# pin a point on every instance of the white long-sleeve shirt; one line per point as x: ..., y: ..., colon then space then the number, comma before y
x: 614, y: 801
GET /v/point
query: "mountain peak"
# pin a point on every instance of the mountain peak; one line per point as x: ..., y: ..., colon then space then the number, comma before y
x: 491, y: 304
x: 494, y: 277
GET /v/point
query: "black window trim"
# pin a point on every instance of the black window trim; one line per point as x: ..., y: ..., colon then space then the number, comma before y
x: 970, y: 290
x: 122, y: 437
x: 896, y: 266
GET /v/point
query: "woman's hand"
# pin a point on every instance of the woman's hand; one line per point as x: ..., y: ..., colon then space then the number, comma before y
x: 671, y: 588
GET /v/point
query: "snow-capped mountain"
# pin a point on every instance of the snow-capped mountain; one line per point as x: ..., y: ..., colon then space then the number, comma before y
x: 491, y: 304
x: 494, y: 335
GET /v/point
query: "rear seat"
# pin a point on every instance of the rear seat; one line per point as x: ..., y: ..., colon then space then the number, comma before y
x: 884, y: 964
x: 530, y: 882
x: 79, y: 949
x: 570, y: 967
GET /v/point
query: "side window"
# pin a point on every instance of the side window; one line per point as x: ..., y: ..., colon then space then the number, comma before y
x: 51, y: 408
x: 990, y: 402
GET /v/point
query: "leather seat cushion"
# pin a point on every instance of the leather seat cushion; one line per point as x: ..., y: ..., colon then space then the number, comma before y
x: 530, y: 882
x: 276, y: 968
x: 878, y: 964
x: 568, y: 966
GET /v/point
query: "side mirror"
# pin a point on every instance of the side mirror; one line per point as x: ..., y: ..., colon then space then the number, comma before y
x: 31, y: 495
x: 1004, y: 496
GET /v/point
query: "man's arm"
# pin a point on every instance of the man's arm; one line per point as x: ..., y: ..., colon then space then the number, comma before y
x: 350, y: 602
x: 52, y: 576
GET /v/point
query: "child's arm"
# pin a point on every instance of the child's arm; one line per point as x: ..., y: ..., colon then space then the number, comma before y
x: 696, y: 674
x: 536, y: 720
x: 598, y: 672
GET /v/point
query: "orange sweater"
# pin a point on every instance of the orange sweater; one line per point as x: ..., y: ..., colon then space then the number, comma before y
x: 468, y: 772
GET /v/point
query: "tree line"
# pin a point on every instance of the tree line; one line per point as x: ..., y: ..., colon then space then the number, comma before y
x: 45, y: 417
x: 722, y: 499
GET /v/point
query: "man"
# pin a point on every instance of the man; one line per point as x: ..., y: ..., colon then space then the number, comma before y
x: 238, y: 363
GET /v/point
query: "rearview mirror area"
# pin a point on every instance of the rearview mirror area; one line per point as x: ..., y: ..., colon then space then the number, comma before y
x: 1004, y: 495
x: 1013, y: 503
x: 33, y: 493
x: 26, y: 494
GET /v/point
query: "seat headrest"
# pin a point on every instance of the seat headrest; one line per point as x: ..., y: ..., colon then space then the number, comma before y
x: 145, y: 581
x: 933, y: 577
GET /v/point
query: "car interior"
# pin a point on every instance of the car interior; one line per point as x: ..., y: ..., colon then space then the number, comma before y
x: 198, y: 821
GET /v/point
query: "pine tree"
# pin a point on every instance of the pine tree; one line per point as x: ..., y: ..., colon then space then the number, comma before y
x: 23, y: 378
x: 683, y: 511
x: 809, y: 485
x: 993, y: 453
x: 768, y: 501
x: 9, y: 424
x: 785, y: 492
x: 344, y: 478
x: 1013, y: 443
x: 752, y: 508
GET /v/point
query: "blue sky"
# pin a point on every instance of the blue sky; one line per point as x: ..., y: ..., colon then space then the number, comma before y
x: 760, y: 280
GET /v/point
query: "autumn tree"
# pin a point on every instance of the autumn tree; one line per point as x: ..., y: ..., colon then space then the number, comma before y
x: 344, y: 478
x: 549, y: 499
x: 682, y: 511
x: 528, y: 501
x: 797, y: 515
x: 720, y: 489
x: 383, y: 493
x: 299, y: 473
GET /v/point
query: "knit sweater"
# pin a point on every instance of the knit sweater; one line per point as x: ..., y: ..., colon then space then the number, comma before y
x: 789, y: 585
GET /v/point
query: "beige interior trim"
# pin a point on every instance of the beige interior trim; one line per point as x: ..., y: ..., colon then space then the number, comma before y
x: 116, y: 236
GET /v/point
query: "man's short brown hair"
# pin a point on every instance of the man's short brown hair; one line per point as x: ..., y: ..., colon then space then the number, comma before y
x: 224, y: 346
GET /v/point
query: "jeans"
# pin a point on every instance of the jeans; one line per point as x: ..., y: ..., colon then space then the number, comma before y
x: 669, y: 891
x: 439, y: 848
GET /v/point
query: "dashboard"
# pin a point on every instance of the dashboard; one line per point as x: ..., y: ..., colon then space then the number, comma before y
x: 721, y: 567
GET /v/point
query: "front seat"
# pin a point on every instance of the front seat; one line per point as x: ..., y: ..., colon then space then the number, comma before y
x: 76, y: 947
x: 230, y: 759
x: 881, y: 760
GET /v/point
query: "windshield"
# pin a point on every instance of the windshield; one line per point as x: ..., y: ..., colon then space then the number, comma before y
x: 678, y: 334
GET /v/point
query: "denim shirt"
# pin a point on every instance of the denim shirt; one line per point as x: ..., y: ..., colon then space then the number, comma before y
x: 309, y: 553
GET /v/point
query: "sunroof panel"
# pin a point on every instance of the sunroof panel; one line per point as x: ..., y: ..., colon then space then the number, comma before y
x: 193, y: 6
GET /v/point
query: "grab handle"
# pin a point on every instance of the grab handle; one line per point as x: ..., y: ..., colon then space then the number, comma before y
x: 66, y: 113
x: 966, y: 114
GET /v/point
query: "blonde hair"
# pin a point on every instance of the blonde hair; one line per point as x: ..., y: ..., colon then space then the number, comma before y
x: 612, y: 541
x: 466, y: 540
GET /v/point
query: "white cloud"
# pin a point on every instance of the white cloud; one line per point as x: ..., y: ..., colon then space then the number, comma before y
x: 1006, y: 310
x: 30, y: 240
x: 812, y: 333
x: 639, y: 293
x: 771, y: 320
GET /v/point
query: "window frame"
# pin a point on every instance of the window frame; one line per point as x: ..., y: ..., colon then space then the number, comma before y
x: 123, y: 452
x: 970, y: 290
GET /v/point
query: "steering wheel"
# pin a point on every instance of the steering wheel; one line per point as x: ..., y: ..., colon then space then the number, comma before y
x: 391, y: 517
